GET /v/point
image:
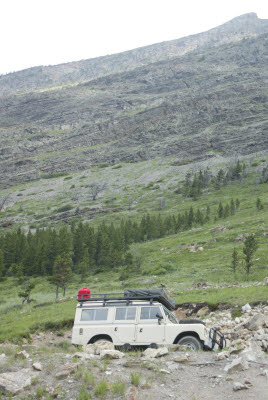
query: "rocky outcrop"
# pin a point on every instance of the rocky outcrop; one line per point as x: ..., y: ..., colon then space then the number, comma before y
x: 189, y: 104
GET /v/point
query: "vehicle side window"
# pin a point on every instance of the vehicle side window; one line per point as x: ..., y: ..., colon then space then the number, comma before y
x: 94, y: 315
x: 150, y: 312
x: 170, y: 316
x: 126, y: 313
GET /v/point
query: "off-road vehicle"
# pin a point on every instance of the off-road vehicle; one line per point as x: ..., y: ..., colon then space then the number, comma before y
x: 138, y: 317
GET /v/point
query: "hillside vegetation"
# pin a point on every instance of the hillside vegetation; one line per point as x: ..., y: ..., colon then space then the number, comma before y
x: 198, y: 253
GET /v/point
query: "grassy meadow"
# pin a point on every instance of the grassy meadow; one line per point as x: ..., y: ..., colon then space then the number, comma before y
x: 169, y: 260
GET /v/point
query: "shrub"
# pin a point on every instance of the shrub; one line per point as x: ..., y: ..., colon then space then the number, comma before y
x: 67, y: 207
x: 135, y: 379
x: 54, y: 175
x: 67, y: 178
x: 118, y: 388
x: 117, y: 166
x: 83, y: 394
x: 101, y: 389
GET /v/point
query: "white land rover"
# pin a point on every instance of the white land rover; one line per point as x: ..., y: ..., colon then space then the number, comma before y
x: 139, y: 317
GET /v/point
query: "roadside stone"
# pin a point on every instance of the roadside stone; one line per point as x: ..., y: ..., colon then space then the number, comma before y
x: 15, y: 382
x: 221, y: 356
x: 203, y: 311
x: 24, y: 341
x: 183, y: 358
x: 236, y: 365
x: 246, y: 308
x: 23, y: 354
x: 239, y: 386
x: 111, y: 354
x: 164, y: 371
x: 155, y: 353
x: 66, y: 370
x: 37, y: 366
x: 255, y: 322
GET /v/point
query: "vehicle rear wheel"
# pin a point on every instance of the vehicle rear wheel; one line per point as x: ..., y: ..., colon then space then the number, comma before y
x: 191, y: 343
x: 127, y: 347
x: 153, y: 346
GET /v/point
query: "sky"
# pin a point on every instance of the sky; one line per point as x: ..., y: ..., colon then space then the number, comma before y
x: 48, y: 32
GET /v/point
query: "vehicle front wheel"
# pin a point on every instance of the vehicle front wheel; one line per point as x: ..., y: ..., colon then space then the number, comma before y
x: 191, y: 343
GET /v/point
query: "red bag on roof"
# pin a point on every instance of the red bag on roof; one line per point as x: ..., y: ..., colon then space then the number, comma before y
x: 84, y: 294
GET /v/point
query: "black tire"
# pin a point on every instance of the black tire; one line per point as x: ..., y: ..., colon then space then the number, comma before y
x: 191, y: 343
x: 153, y: 346
x: 127, y: 347
x: 191, y: 321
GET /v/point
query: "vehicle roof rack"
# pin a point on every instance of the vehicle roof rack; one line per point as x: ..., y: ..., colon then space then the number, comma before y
x: 130, y: 295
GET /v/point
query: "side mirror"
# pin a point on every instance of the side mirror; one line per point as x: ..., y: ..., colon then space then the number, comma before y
x: 159, y: 317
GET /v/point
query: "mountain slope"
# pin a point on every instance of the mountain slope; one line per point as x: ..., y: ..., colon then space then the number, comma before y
x: 245, y: 26
x: 210, y: 100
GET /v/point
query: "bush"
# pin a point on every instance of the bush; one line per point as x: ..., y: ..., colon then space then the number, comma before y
x: 54, y: 175
x: 83, y: 394
x: 135, y: 379
x: 68, y: 178
x: 101, y: 389
x: 118, y: 388
x: 67, y: 207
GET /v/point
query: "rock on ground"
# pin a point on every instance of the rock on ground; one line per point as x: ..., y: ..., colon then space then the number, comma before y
x: 155, y: 353
x: 236, y: 365
x: 66, y: 370
x: 111, y: 354
x: 15, y: 382
x: 98, y: 346
x: 255, y: 322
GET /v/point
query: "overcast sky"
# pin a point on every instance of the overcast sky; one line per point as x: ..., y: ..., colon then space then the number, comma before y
x: 45, y: 32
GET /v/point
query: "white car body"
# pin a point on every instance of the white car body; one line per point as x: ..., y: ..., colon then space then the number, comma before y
x: 133, y: 323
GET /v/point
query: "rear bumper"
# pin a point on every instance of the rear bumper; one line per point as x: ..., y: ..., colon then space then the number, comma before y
x: 216, y: 340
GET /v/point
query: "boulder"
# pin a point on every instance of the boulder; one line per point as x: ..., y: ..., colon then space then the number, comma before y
x: 238, y: 364
x: 182, y: 358
x: 98, y: 346
x: 239, y: 386
x: 15, y: 382
x: 66, y: 370
x: 203, y: 311
x: 22, y: 354
x: 255, y: 322
x: 37, y: 366
x: 246, y: 308
x: 155, y: 353
x: 111, y: 354
x: 221, y: 356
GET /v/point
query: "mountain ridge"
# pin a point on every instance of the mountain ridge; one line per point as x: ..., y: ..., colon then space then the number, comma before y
x: 246, y: 25
x: 193, y: 106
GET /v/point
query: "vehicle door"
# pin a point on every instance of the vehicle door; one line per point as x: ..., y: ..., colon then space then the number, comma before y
x: 125, y: 321
x: 150, y: 329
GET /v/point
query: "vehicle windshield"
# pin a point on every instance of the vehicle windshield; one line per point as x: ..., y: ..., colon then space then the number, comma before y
x: 170, y: 316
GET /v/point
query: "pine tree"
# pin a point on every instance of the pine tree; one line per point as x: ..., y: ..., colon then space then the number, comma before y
x: 226, y: 211
x: 25, y: 293
x: 62, y: 273
x: 249, y: 249
x: 207, y: 218
x: 2, y: 265
x: 235, y: 259
x: 220, y: 210
x: 232, y: 207
x: 259, y: 204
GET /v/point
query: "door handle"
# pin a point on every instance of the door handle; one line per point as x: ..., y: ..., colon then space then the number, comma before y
x: 115, y: 329
x: 141, y: 329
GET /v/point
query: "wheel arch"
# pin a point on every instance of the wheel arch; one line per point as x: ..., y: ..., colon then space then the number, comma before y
x: 100, y: 337
x: 186, y: 333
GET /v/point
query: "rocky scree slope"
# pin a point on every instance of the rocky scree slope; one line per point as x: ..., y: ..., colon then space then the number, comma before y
x: 210, y: 100
x: 244, y: 26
